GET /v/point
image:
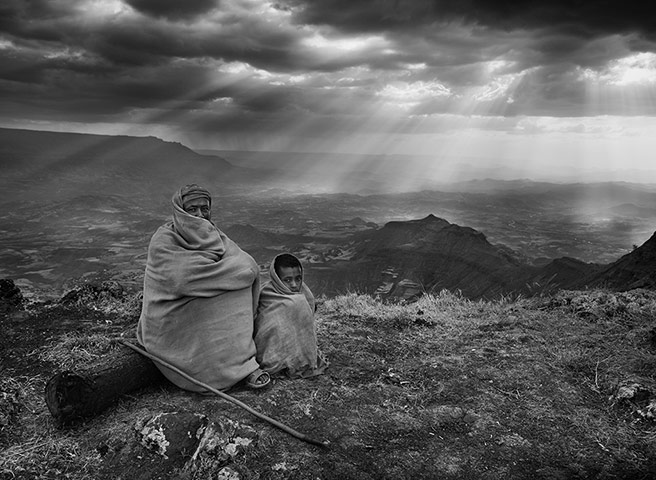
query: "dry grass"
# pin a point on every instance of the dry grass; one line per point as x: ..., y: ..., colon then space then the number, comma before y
x: 38, y: 449
x: 75, y: 349
x: 541, y: 376
x: 442, y: 387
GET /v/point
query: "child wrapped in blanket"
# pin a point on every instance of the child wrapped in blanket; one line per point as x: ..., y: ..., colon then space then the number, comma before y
x: 285, y: 333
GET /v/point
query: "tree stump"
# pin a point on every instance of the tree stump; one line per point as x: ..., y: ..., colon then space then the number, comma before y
x: 72, y: 396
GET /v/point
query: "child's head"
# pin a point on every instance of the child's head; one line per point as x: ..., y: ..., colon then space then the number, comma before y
x: 289, y: 270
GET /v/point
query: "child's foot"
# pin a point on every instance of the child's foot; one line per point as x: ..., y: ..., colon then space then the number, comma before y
x: 258, y: 379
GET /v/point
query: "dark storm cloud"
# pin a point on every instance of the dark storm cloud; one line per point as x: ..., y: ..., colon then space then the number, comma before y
x: 32, y: 19
x: 140, y: 43
x: 592, y: 18
x: 173, y: 9
x: 233, y: 64
x: 115, y: 65
x: 14, y: 12
x: 585, y: 18
x: 557, y: 31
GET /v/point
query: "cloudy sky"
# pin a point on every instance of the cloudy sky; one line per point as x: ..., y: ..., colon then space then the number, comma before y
x: 537, y: 85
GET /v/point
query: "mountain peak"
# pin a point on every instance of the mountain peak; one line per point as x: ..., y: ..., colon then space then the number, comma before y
x: 432, y: 220
x: 429, y: 220
x: 435, y: 253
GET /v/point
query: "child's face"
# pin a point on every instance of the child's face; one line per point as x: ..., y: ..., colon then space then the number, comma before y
x: 292, y: 277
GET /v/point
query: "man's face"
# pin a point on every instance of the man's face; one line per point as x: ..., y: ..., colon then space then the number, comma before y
x: 292, y: 277
x: 198, y: 208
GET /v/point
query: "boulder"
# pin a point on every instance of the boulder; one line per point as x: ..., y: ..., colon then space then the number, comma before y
x: 179, y: 445
x: 11, y: 297
x: 637, y: 397
x: 172, y: 435
x: 94, y: 293
x: 108, y: 297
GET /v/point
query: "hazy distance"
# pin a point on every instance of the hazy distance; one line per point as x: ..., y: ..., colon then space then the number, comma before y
x: 365, y: 174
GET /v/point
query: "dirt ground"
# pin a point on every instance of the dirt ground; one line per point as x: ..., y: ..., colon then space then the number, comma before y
x: 443, y: 388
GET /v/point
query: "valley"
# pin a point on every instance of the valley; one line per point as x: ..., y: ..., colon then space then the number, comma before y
x: 77, y: 211
x: 50, y: 247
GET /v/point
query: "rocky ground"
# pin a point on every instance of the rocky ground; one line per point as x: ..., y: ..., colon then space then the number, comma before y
x: 553, y: 387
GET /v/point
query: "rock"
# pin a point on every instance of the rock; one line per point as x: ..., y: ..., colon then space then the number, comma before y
x: 221, y: 441
x: 155, y: 448
x: 637, y: 397
x: 11, y: 297
x: 444, y: 414
x: 108, y: 297
x: 195, y: 444
x: 182, y: 445
x: 172, y: 435
x: 91, y: 293
x: 227, y: 473
x: 630, y: 391
x: 648, y: 412
x: 513, y: 440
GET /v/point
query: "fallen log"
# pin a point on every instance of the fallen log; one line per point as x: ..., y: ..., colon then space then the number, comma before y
x: 72, y: 396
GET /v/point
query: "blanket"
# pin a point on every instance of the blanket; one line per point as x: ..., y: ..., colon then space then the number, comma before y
x: 200, y: 295
x: 285, y: 333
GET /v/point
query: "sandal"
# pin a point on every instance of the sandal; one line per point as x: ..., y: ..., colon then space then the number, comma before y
x: 255, y: 379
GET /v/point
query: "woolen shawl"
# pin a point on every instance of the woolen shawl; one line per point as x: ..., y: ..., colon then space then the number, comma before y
x: 285, y: 332
x: 200, y: 295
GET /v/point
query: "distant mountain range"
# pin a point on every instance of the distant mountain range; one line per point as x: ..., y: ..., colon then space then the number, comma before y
x: 403, y: 259
x: 59, y: 166
x: 41, y: 152
x: 398, y: 172
x: 75, y: 203
x: 436, y: 254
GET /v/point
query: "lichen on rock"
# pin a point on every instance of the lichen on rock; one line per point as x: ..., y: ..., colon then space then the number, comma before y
x: 154, y: 438
x: 221, y: 441
x: 636, y: 396
x: 172, y: 434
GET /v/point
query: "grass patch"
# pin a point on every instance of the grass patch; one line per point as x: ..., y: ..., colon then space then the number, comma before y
x: 75, y: 349
x: 37, y: 448
x: 444, y: 387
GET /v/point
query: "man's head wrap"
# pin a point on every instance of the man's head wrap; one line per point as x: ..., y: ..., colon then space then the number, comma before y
x: 192, y: 192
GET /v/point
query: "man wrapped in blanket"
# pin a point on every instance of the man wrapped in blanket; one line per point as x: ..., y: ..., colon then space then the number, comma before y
x: 285, y: 334
x: 199, y: 300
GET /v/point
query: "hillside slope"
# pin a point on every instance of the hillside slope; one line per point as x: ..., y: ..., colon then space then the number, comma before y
x: 634, y: 270
x: 41, y: 151
x: 59, y: 166
x: 556, y: 387
x: 404, y: 259
x: 437, y: 254
x: 431, y: 254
